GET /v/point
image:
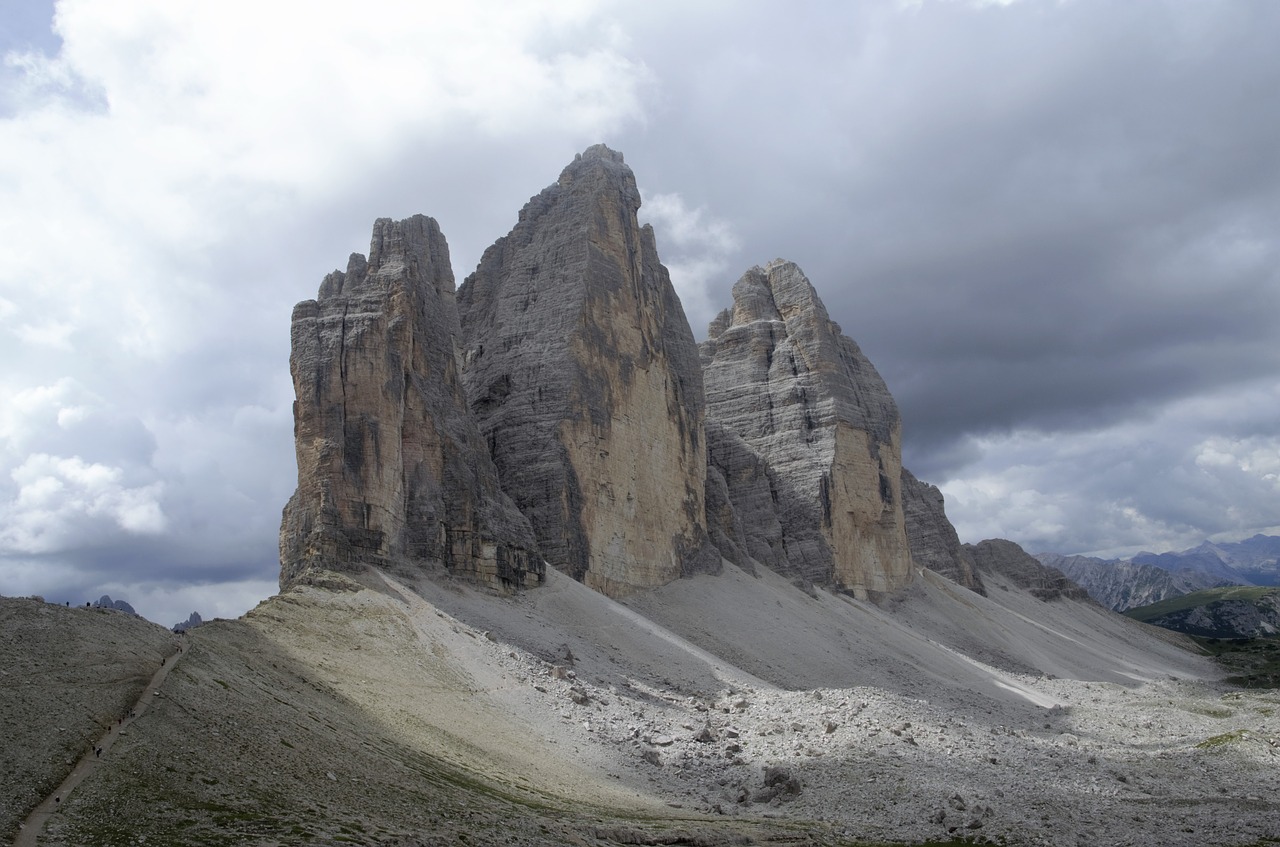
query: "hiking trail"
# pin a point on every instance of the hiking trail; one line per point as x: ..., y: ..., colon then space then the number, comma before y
x: 30, y: 829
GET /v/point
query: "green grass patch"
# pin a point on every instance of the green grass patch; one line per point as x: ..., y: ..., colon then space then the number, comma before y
x: 1251, y: 662
x: 1222, y: 740
x: 1250, y: 593
x: 1210, y: 711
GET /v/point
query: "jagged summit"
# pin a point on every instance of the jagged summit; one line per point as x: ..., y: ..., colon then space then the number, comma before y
x: 774, y: 292
x: 556, y: 409
x: 391, y: 469
x: 798, y: 393
x: 599, y: 151
x: 582, y: 372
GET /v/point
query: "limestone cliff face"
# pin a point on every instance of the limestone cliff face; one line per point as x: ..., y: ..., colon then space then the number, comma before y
x: 392, y: 471
x: 800, y: 395
x: 751, y: 492
x: 933, y: 540
x: 583, y: 376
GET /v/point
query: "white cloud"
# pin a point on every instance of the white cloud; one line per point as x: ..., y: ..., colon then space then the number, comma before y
x: 209, y: 119
x: 64, y: 502
x: 1164, y: 482
x: 696, y: 248
x: 169, y: 178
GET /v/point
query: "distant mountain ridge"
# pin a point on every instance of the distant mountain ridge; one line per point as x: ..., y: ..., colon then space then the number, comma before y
x: 1254, y: 561
x: 1147, y: 578
x: 1233, y: 612
x: 105, y: 602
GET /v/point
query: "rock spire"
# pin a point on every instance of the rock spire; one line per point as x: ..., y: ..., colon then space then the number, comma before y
x: 584, y: 378
x: 784, y: 383
x: 556, y: 410
x: 392, y: 471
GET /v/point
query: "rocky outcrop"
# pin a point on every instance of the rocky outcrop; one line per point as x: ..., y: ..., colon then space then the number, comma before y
x: 1005, y: 558
x: 392, y: 472
x: 782, y: 378
x: 554, y: 411
x: 933, y: 540
x: 583, y: 375
x: 105, y: 602
x: 193, y: 620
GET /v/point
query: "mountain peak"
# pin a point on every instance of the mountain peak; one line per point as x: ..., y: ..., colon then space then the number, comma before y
x: 583, y: 375
x: 599, y: 151
x: 782, y: 378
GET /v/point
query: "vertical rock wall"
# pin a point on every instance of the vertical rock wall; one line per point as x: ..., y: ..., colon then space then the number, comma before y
x: 392, y: 471
x: 583, y: 375
x: 781, y: 376
x: 555, y: 410
x: 933, y: 540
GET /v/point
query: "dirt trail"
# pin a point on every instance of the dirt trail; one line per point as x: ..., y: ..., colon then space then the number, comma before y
x: 30, y: 829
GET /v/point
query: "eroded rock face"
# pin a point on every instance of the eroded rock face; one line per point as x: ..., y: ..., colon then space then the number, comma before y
x: 392, y: 471
x: 933, y: 540
x: 800, y: 395
x: 1000, y: 556
x: 751, y: 526
x: 583, y: 376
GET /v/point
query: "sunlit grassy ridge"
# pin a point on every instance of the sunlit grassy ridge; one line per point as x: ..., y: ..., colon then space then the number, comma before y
x: 1248, y: 593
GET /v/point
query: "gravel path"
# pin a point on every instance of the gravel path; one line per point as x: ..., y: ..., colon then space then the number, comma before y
x: 65, y: 674
x: 31, y: 828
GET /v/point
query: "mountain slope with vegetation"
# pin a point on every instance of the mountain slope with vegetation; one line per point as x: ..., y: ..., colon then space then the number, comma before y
x: 1231, y: 612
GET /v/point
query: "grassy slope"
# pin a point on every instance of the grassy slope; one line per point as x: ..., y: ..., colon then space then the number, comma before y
x: 1172, y: 605
x: 1252, y: 662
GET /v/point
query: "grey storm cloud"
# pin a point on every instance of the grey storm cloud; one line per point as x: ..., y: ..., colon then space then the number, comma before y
x: 1051, y: 226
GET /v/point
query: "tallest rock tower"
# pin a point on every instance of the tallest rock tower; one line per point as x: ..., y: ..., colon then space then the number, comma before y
x: 584, y: 377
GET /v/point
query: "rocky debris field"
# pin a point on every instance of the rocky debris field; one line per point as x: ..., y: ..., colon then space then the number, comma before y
x: 1168, y: 762
x: 370, y: 715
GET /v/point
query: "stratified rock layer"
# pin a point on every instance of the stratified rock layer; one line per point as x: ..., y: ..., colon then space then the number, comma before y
x: 800, y: 395
x: 583, y: 375
x: 933, y: 540
x: 392, y: 471
x: 1003, y: 557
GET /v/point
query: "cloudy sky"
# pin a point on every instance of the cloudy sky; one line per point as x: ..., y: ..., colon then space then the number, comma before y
x: 1053, y: 226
